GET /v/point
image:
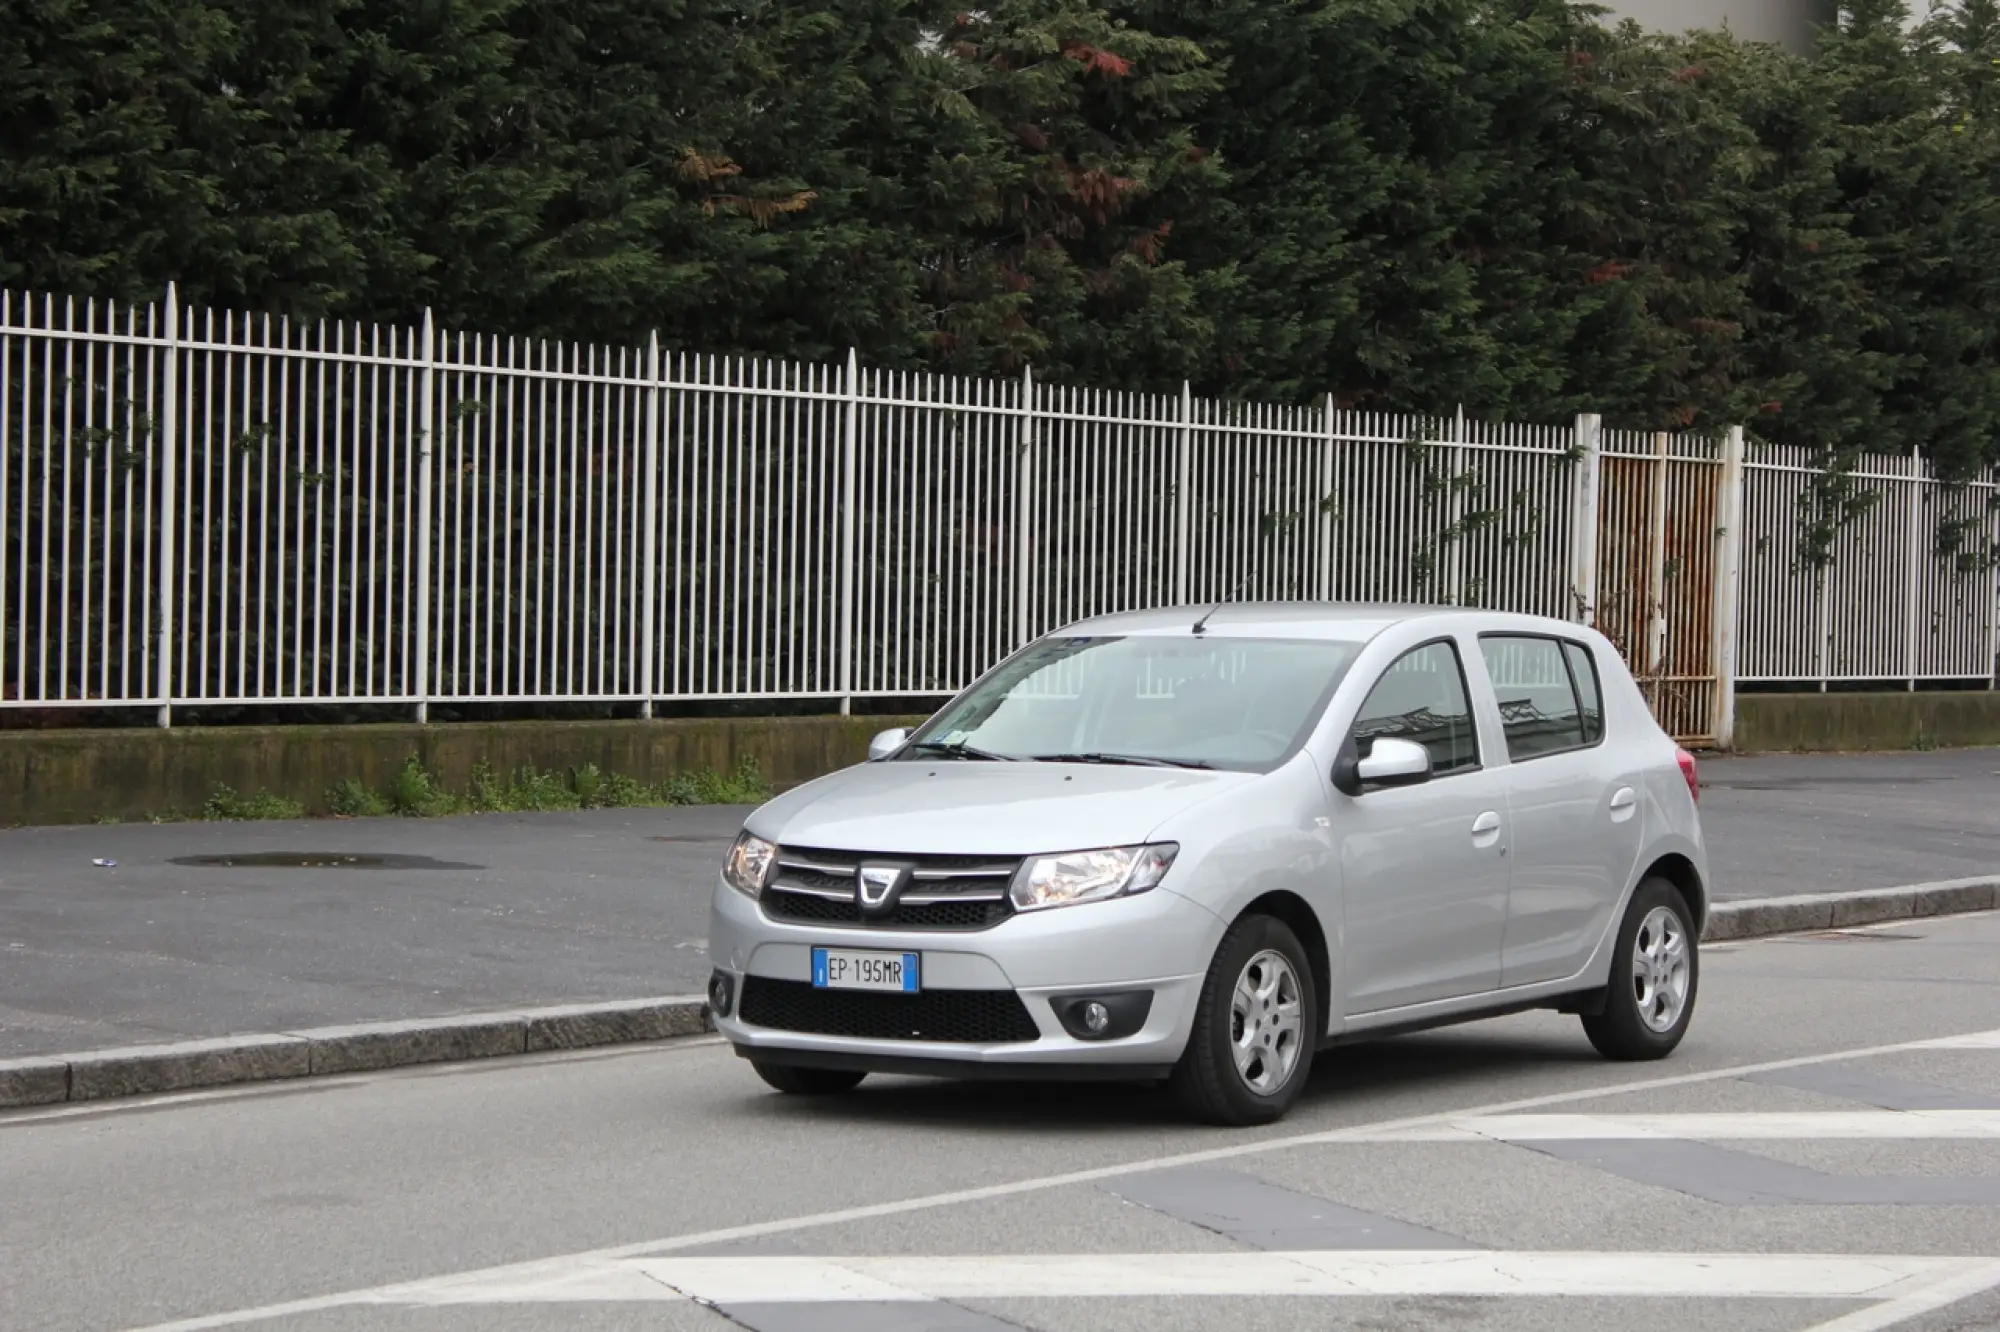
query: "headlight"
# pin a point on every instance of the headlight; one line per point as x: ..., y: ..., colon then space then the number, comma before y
x: 1090, y: 876
x: 749, y: 864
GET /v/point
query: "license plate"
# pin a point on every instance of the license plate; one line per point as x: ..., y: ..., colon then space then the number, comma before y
x: 849, y: 969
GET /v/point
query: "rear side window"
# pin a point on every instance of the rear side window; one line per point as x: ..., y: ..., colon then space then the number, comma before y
x: 1583, y: 670
x: 1540, y: 710
x: 1422, y: 698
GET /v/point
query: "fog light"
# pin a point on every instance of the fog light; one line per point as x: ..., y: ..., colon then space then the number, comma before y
x: 720, y: 994
x: 1103, y: 1017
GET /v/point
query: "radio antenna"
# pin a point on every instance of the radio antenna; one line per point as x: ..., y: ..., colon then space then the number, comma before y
x: 1201, y: 625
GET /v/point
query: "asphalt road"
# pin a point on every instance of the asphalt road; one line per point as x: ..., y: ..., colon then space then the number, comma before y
x: 1823, y: 1154
x: 501, y: 911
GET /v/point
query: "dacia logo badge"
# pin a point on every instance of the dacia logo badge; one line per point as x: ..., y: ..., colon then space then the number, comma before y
x: 877, y: 887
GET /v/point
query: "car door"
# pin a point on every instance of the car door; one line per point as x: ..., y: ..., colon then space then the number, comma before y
x: 1574, y: 808
x: 1423, y: 866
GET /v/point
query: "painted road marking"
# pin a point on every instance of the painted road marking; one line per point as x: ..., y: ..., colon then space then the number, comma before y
x: 1978, y: 1040
x: 1938, y: 1295
x: 1791, y: 1125
x: 732, y: 1282
x: 529, y: 1270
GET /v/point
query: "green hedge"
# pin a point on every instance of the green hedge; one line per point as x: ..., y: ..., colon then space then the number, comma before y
x: 1406, y: 204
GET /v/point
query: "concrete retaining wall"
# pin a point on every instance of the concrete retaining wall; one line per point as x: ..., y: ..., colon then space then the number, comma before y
x: 81, y: 775
x: 1860, y: 723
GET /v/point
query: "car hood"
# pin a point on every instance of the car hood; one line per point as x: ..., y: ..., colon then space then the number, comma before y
x: 954, y: 807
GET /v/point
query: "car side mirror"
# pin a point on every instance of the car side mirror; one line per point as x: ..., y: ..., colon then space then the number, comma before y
x: 1389, y: 762
x: 887, y: 743
x: 1395, y: 762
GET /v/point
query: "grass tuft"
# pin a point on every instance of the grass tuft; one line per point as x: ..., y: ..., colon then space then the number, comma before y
x: 351, y: 799
x: 224, y: 803
x: 414, y: 792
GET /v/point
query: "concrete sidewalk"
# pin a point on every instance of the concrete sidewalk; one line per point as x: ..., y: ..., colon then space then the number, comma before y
x: 501, y: 912
x: 469, y: 914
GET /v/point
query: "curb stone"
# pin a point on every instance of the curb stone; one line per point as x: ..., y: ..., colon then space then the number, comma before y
x: 37, y: 1080
x: 137, y: 1069
x: 368, y: 1046
x: 1759, y: 917
x: 143, y: 1070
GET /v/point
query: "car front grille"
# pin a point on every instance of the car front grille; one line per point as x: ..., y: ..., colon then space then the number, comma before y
x: 957, y: 1017
x: 946, y: 893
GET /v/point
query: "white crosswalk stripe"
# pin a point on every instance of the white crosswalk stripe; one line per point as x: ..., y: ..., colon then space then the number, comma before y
x: 728, y: 1281
x: 1978, y: 1040
x: 1817, y: 1125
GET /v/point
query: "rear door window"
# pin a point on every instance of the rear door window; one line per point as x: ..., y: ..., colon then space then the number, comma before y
x: 1540, y: 710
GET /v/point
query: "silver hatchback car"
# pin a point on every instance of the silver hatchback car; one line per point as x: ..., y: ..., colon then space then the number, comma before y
x: 1202, y: 845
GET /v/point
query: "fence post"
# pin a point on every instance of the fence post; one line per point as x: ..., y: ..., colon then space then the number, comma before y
x: 1727, y: 593
x: 426, y: 435
x: 649, y: 580
x: 169, y: 501
x: 850, y: 450
x: 1914, y: 585
x: 1456, y: 508
x: 1822, y: 619
x: 1325, y: 589
x: 1656, y: 592
x: 1184, y: 470
x: 1585, y: 518
x: 1993, y: 593
x: 1024, y: 485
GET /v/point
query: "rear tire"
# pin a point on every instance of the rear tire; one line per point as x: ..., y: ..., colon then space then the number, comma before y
x: 796, y: 1081
x: 1256, y: 1026
x: 1655, y: 973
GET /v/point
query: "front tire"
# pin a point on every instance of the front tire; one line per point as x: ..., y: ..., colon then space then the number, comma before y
x: 796, y: 1081
x: 1654, y: 975
x: 1256, y: 1026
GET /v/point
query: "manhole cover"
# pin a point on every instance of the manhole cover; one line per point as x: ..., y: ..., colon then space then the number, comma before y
x: 318, y: 860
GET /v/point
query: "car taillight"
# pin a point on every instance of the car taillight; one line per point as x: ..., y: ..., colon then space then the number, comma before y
x: 1688, y: 771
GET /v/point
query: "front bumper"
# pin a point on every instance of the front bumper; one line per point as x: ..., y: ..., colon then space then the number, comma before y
x: 1156, y: 941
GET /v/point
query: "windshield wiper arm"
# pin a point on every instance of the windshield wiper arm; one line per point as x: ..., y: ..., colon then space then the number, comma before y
x: 1129, y: 760
x: 963, y: 751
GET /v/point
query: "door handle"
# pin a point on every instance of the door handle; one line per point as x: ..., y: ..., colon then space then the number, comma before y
x: 1624, y: 804
x: 1486, y: 829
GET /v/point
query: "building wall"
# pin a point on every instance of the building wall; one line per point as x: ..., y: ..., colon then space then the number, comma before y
x: 1788, y: 21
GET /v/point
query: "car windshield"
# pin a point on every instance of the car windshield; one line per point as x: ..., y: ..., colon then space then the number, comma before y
x: 1242, y: 704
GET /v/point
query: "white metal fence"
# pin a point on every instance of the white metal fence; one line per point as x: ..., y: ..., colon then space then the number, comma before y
x: 200, y: 507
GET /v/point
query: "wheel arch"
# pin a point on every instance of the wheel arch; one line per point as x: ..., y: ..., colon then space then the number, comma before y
x: 1680, y: 871
x: 1303, y: 921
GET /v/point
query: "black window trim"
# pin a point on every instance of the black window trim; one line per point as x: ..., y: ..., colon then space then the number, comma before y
x: 1465, y: 686
x: 1569, y: 672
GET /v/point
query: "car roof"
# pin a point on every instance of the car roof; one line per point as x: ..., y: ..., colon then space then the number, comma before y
x: 1346, y: 621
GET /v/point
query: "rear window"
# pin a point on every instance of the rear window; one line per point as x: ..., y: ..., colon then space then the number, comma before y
x: 1583, y: 670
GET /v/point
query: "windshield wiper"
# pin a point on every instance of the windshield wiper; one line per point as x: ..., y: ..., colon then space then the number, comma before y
x: 1129, y: 760
x: 962, y: 751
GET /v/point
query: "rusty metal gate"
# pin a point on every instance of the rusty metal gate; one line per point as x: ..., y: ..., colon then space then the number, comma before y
x: 1656, y: 569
